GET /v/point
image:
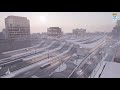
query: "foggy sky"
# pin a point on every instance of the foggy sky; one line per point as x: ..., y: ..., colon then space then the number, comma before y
x: 91, y: 21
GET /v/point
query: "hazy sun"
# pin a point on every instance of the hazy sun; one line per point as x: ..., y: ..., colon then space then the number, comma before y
x: 43, y: 19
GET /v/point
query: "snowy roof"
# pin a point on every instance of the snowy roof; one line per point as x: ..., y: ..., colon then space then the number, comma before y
x: 111, y: 70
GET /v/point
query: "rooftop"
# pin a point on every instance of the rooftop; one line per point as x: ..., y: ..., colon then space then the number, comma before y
x: 109, y: 70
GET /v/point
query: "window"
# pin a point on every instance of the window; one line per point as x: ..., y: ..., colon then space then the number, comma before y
x: 10, y: 24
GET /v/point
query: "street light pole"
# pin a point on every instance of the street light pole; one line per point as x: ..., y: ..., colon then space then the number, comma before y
x: 61, y: 62
x: 48, y: 54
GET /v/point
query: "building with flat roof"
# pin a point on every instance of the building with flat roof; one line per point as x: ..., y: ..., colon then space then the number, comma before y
x: 117, y: 55
x: 54, y: 32
x: 17, y: 28
x: 79, y: 32
x: 2, y: 35
x: 116, y: 30
x: 108, y: 70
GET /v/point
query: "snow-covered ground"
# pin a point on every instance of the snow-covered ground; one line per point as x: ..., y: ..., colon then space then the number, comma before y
x: 20, y: 50
x: 72, y: 39
x: 32, y: 51
x: 34, y: 65
x: 38, y: 55
x: 61, y: 68
x: 111, y: 70
x: 98, y: 68
x: 89, y: 45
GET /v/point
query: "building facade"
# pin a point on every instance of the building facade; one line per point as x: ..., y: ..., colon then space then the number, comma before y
x: 17, y: 28
x: 54, y: 32
x: 35, y: 35
x: 2, y: 35
x: 117, y: 55
x: 116, y: 30
x: 44, y: 35
x: 79, y: 32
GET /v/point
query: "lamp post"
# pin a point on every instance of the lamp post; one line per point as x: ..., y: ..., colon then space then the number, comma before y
x: 48, y: 54
x: 61, y: 62
x: 78, y: 51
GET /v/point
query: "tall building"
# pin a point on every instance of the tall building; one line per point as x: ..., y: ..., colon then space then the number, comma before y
x: 4, y: 33
x: 44, y: 35
x: 17, y: 28
x: 1, y: 35
x: 79, y: 32
x: 118, y: 23
x: 54, y: 32
x: 116, y: 30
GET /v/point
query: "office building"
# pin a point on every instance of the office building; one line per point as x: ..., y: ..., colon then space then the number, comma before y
x: 17, y: 28
x: 79, y: 32
x: 116, y: 30
x: 54, y: 32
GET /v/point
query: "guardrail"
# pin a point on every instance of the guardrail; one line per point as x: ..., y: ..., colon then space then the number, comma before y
x: 94, y: 72
x: 85, y: 58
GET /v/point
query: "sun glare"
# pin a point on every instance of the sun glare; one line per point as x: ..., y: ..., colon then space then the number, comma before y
x: 43, y: 19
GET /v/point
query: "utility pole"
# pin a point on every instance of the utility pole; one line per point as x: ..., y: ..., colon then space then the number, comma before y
x: 61, y: 62
x: 48, y: 54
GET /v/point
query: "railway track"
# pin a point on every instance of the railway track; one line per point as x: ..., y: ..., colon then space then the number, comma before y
x: 85, y: 59
x: 23, y: 64
x: 44, y: 67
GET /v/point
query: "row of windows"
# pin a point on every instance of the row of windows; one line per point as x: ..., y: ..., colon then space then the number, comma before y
x: 54, y: 33
x: 19, y: 32
x: 18, y: 26
x: 19, y: 37
x: 18, y: 29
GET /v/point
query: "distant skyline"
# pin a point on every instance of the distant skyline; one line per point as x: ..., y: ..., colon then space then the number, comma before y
x: 40, y: 21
